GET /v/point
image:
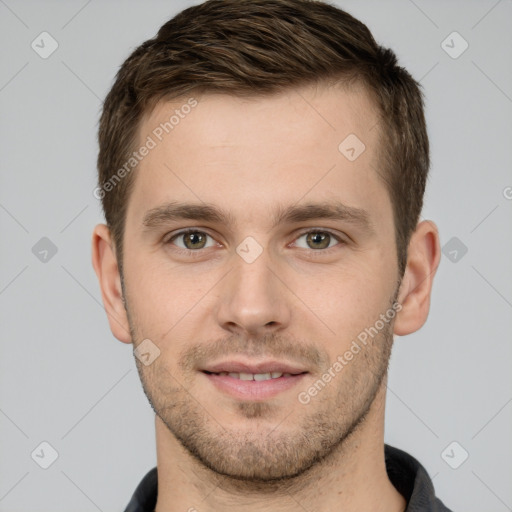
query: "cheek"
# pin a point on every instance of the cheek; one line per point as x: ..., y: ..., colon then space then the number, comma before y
x: 163, y: 297
x: 348, y: 298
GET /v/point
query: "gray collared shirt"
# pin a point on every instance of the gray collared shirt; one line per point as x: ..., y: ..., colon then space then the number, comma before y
x: 407, y: 475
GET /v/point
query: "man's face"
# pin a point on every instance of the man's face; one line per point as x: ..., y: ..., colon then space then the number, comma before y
x: 265, y: 282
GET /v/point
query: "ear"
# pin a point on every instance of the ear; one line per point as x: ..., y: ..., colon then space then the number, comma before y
x: 424, y: 254
x: 105, y: 265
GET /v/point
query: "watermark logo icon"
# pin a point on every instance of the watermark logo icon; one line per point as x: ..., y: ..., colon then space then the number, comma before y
x: 44, y: 455
x: 454, y: 455
x: 44, y: 250
x: 454, y: 45
x: 454, y: 249
x: 44, y: 45
x: 146, y: 352
x: 249, y: 250
x: 351, y: 147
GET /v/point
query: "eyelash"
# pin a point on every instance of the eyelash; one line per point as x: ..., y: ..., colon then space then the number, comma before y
x: 197, y: 252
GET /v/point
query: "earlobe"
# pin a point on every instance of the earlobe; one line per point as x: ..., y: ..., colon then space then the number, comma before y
x: 424, y: 254
x: 105, y: 265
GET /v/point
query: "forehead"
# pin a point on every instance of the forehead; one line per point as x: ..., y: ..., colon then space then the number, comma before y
x: 321, y: 111
x: 313, y: 142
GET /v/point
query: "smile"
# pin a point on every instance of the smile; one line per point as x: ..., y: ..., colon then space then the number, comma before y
x: 253, y: 376
x: 253, y: 386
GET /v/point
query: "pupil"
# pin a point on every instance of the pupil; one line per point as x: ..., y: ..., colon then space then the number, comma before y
x: 321, y: 240
x: 194, y: 239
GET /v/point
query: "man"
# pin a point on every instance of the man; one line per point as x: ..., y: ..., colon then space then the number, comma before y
x: 262, y: 166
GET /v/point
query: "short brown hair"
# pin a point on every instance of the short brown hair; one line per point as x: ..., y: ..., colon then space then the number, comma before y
x: 258, y: 47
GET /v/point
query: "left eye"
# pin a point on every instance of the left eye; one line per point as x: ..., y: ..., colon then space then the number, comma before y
x: 317, y: 240
x: 192, y: 240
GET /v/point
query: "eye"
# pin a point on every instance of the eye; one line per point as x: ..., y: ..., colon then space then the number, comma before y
x: 191, y: 240
x: 317, y: 240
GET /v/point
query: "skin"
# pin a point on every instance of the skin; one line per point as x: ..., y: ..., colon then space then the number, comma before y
x: 293, y: 303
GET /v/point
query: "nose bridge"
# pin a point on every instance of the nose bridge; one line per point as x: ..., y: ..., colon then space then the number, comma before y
x: 252, y: 297
x: 254, y: 279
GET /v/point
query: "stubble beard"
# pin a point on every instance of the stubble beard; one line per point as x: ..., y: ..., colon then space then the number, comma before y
x: 285, y: 446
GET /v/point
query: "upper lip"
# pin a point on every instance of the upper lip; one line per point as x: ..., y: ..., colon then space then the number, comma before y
x: 262, y: 367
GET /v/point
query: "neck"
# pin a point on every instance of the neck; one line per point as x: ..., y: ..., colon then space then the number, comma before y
x: 352, y: 478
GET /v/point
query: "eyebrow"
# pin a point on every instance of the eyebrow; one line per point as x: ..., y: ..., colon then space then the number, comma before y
x: 325, y: 210
x: 165, y: 213
x: 331, y: 210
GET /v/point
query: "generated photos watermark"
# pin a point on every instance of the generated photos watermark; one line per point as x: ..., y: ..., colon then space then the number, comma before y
x: 151, y: 142
x: 343, y: 360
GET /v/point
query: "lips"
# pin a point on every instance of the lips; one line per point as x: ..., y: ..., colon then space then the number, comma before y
x: 254, y: 368
x: 254, y: 381
x: 252, y: 376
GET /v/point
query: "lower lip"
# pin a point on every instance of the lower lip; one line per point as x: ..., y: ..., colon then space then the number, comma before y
x: 253, y: 389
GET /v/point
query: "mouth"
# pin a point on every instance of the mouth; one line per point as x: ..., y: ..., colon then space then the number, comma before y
x: 253, y: 376
x: 253, y: 381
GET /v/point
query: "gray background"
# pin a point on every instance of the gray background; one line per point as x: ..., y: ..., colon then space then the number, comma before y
x: 66, y: 380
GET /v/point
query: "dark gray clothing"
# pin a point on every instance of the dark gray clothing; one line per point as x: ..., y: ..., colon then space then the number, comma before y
x: 407, y: 475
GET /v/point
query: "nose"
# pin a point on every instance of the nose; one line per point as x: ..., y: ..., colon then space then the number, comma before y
x: 252, y: 300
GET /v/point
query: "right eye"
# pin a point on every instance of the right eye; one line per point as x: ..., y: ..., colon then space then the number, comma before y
x: 191, y: 240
